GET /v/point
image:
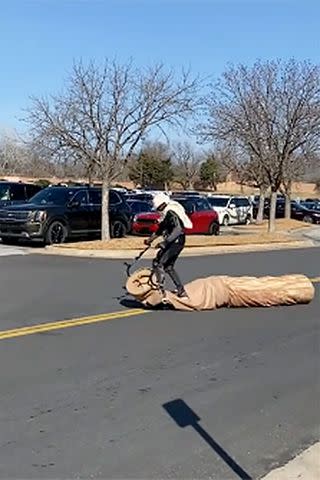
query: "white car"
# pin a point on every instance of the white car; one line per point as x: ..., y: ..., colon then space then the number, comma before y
x: 232, y: 210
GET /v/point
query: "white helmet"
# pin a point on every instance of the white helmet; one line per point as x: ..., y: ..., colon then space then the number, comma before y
x: 160, y: 199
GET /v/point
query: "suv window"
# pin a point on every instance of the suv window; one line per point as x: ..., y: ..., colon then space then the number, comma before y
x: 241, y: 202
x: 81, y: 197
x: 218, y: 201
x: 95, y: 197
x: 4, y: 191
x: 53, y: 196
x: 114, y: 198
x: 32, y: 190
x: 17, y: 192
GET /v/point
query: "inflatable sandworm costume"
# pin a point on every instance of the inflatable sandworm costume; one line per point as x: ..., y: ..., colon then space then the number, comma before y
x: 222, y: 291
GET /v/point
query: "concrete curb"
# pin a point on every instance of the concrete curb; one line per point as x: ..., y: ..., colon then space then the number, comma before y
x: 188, y: 252
x: 305, y: 466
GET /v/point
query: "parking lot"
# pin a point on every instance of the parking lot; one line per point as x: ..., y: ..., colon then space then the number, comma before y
x: 62, y: 213
x: 89, y: 399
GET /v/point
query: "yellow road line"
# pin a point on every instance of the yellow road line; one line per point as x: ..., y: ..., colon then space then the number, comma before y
x: 76, y: 322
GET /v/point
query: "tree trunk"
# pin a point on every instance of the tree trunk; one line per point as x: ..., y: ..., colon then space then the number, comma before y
x: 105, y: 223
x: 287, y: 211
x: 272, y: 212
x: 260, y: 213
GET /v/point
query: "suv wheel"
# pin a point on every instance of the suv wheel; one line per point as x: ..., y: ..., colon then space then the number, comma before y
x: 225, y: 221
x: 214, y: 229
x: 248, y: 219
x: 56, y: 233
x: 118, y: 229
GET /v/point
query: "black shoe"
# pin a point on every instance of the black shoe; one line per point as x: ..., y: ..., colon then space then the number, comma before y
x: 182, y: 293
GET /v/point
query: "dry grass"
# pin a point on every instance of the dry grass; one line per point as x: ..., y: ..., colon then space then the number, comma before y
x: 252, y: 235
x: 136, y: 243
x: 282, y: 224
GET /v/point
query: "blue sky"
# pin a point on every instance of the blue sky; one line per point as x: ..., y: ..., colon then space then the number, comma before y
x: 39, y: 39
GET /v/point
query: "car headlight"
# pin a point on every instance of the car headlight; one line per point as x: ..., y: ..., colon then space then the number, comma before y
x: 39, y: 216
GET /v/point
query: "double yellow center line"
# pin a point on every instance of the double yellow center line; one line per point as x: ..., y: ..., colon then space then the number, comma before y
x: 76, y: 322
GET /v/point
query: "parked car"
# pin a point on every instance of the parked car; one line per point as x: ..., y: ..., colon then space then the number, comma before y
x: 299, y: 211
x: 204, y: 219
x: 14, y: 193
x: 57, y: 213
x: 305, y: 214
x: 312, y: 205
x: 232, y: 210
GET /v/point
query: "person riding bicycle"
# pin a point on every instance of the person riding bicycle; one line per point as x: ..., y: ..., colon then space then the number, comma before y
x: 174, y: 221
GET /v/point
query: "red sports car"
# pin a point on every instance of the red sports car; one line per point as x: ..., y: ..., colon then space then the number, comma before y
x: 204, y: 219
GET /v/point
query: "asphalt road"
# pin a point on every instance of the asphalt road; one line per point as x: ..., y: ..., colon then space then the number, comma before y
x: 224, y: 394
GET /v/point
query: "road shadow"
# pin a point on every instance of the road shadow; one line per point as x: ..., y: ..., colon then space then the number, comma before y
x: 23, y: 244
x: 184, y: 417
x: 131, y: 303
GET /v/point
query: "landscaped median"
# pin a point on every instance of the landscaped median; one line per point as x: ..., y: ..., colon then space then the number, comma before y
x: 249, y: 238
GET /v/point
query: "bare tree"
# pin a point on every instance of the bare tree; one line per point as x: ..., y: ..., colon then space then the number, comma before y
x: 294, y: 168
x: 105, y: 112
x: 13, y: 156
x: 19, y: 158
x: 187, y: 164
x: 247, y: 171
x: 271, y: 112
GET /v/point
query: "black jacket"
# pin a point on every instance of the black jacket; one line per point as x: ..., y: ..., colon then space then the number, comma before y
x: 171, y: 228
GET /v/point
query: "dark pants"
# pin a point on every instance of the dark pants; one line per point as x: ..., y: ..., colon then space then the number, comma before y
x: 165, y: 260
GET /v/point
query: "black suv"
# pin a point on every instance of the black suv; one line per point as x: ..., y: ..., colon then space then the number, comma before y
x: 58, y: 213
x: 12, y: 193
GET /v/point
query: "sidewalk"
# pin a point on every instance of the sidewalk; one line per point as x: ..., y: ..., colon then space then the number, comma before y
x: 187, y: 252
x: 313, y: 234
x: 305, y: 466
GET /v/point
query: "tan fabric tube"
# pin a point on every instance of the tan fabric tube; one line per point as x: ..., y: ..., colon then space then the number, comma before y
x: 224, y: 291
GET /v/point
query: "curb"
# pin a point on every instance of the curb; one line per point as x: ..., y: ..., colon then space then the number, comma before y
x: 188, y: 252
x: 305, y: 466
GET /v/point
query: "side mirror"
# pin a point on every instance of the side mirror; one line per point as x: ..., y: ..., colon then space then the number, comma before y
x: 232, y: 205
